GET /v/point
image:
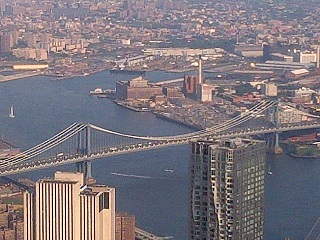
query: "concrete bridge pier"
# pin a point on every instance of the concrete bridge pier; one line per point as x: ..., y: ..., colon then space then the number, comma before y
x: 272, y: 141
x: 277, y: 148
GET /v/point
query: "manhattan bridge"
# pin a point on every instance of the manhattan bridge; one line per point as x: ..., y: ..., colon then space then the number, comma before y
x: 82, y: 143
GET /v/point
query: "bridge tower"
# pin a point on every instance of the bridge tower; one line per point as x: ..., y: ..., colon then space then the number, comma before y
x: 273, y: 139
x: 277, y: 148
x: 84, y: 149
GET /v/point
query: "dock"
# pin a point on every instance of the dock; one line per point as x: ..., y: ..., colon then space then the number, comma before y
x: 19, y: 76
x: 132, y: 107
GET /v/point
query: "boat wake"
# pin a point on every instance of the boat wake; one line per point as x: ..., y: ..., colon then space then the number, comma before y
x: 130, y: 175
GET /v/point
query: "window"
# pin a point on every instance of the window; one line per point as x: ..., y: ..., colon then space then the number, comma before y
x: 104, y: 201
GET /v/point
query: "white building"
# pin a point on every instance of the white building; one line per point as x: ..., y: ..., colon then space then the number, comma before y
x: 205, y: 92
x: 166, y: 52
x: 304, y: 92
x: 65, y: 208
x: 308, y: 57
x: 285, y: 115
x: 269, y: 89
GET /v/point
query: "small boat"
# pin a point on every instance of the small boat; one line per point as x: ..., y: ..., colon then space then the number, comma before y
x: 269, y: 171
x: 168, y: 170
x: 98, y: 91
x: 11, y: 114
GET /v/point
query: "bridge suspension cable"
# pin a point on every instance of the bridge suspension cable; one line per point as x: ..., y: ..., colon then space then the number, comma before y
x: 241, y: 120
x: 259, y: 108
x: 42, y: 147
x: 76, y: 128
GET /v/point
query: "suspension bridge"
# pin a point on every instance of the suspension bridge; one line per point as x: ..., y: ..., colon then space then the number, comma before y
x: 82, y: 143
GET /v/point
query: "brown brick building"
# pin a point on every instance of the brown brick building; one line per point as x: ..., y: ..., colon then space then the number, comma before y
x: 136, y: 89
x: 125, y: 226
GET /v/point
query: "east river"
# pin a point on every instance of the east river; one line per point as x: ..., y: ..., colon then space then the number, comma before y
x: 158, y: 199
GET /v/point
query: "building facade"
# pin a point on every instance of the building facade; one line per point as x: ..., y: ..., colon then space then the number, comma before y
x: 285, y: 115
x: 125, y: 226
x: 227, y: 189
x: 65, y: 208
x: 11, y: 223
x: 136, y: 89
x: 269, y: 89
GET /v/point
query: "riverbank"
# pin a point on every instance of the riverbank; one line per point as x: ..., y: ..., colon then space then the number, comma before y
x: 132, y: 107
x: 302, y: 156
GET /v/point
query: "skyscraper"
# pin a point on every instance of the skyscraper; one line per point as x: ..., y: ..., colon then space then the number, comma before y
x: 65, y: 208
x: 227, y: 189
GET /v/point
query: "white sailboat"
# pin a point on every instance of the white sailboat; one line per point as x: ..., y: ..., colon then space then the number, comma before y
x: 11, y: 114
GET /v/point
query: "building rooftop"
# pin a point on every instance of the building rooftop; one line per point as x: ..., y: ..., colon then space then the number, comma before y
x: 232, y: 143
x: 299, y: 71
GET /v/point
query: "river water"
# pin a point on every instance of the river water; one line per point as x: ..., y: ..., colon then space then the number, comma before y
x: 158, y: 199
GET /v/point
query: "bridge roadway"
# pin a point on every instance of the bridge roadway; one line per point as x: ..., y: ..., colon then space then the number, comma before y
x: 112, y: 151
x: 144, y: 235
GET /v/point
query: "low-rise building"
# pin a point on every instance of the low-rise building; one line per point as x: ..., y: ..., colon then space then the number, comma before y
x: 295, y: 74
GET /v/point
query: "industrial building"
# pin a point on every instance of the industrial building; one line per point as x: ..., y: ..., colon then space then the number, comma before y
x: 133, y: 61
x: 66, y: 208
x: 227, y: 189
x: 190, y: 85
x: 249, y: 50
x: 136, y: 89
x: 169, y: 52
x: 280, y: 65
x: 295, y: 74
x: 173, y: 93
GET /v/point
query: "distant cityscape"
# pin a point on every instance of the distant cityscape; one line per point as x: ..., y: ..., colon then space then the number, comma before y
x: 231, y: 58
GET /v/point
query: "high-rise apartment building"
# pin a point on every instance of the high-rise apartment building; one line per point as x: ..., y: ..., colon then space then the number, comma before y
x: 227, y: 189
x: 65, y: 208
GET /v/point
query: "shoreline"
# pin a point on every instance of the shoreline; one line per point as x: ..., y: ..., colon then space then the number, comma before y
x: 20, y: 76
x: 121, y: 104
x: 157, y: 114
